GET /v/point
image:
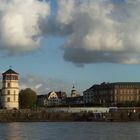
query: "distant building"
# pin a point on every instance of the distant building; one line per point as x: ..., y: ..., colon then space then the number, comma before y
x: 10, y: 90
x: 113, y: 93
x: 88, y: 96
x: 61, y: 99
x: 74, y: 101
x: 56, y: 98
x: 41, y: 100
x: 74, y: 92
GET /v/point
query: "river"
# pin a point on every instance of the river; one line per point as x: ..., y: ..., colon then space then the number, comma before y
x: 70, y: 131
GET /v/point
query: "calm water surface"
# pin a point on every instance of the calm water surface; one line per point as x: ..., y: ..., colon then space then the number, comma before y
x: 70, y: 131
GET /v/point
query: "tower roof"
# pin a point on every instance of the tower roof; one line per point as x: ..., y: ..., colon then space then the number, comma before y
x: 73, y: 88
x: 10, y: 71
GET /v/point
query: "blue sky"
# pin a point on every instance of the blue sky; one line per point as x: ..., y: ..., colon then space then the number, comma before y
x: 48, y: 63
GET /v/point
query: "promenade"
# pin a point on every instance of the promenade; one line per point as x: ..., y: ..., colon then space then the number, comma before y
x: 120, y: 115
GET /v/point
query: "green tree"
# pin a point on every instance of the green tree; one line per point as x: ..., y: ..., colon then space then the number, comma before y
x: 27, y: 98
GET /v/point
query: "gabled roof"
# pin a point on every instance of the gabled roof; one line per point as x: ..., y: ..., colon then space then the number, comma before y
x: 59, y: 94
x: 10, y: 71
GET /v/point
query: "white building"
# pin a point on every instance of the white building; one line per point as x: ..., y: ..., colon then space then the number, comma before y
x: 10, y: 90
x: 56, y: 98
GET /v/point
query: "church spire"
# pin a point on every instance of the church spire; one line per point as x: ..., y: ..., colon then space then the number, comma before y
x: 73, y: 92
x: 73, y: 87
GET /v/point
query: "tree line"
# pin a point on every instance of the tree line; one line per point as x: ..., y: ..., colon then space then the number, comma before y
x: 27, y: 98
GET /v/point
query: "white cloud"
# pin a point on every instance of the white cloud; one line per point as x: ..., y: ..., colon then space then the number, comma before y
x: 101, y: 31
x: 19, y: 24
x: 42, y: 86
x: 96, y: 30
x: 65, y: 12
x: 38, y: 86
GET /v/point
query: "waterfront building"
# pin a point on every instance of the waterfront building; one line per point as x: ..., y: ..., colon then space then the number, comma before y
x: 74, y: 101
x: 113, y: 93
x: 74, y: 92
x: 10, y: 90
x: 41, y: 100
x: 88, y: 96
x: 56, y: 98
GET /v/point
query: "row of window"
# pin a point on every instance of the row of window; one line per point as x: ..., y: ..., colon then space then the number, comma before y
x: 127, y: 86
x: 53, y: 101
x: 9, y: 85
x: 127, y: 91
x: 9, y: 99
x: 124, y: 98
x: 9, y: 77
x: 9, y: 92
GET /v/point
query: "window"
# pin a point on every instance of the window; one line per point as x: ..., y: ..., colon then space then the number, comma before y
x: 8, y: 92
x: 14, y: 95
x: 7, y: 77
x: 8, y: 84
x: 8, y: 99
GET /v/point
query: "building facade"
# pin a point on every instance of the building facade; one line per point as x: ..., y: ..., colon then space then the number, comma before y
x: 10, y: 90
x: 113, y: 93
x: 41, y: 100
x: 88, y: 96
x: 74, y: 101
x: 56, y: 98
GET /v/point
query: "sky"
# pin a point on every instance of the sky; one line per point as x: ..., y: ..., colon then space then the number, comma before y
x: 54, y: 44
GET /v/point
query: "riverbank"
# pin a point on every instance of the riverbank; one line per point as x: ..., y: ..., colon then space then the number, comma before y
x: 42, y: 115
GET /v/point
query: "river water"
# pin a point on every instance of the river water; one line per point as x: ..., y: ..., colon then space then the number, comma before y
x: 70, y: 131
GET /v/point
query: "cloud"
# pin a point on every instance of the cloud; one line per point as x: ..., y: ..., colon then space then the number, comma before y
x: 19, y: 25
x: 95, y: 31
x: 101, y: 31
x: 42, y: 86
x: 38, y: 86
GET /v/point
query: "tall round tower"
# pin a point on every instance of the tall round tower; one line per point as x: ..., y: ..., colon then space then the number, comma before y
x: 10, y: 90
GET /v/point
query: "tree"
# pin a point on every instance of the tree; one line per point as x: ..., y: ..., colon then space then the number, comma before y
x: 27, y: 98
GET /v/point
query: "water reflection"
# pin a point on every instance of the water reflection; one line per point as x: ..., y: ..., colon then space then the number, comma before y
x: 12, y: 131
x: 70, y: 131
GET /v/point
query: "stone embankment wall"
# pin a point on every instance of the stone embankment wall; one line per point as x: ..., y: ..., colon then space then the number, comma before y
x: 123, y: 114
